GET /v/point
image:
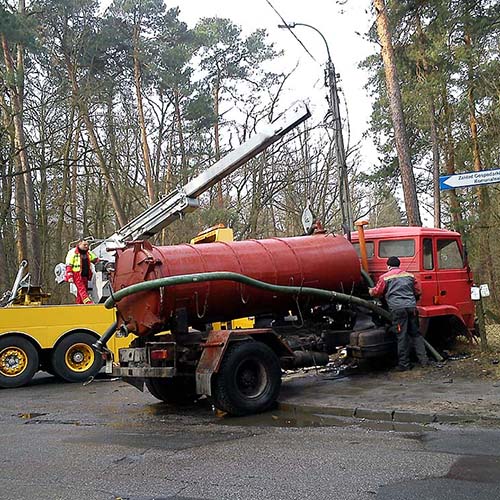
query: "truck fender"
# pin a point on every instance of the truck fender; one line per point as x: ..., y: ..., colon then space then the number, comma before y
x: 216, y: 345
x: 28, y: 337
x: 426, y: 313
x: 75, y: 330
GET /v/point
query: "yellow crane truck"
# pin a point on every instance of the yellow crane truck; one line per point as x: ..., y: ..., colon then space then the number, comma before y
x: 53, y: 338
x: 58, y: 338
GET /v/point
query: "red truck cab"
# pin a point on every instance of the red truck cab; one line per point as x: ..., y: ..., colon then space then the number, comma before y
x: 436, y: 257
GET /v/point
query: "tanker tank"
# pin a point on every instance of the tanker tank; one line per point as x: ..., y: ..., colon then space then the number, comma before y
x: 324, y: 261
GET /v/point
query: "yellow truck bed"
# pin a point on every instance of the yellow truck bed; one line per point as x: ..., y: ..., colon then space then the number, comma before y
x: 57, y: 339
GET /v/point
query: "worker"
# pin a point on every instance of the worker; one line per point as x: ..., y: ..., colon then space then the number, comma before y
x: 79, y: 270
x: 401, y: 291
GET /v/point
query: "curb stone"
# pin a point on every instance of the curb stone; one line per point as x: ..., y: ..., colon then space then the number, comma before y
x: 370, y: 414
x: 326, y: 410
x: 409, y: 416
x: 402, y: 416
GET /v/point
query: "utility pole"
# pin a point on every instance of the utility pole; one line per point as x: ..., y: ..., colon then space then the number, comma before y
x: 345, y: 198
x: 333, y: 102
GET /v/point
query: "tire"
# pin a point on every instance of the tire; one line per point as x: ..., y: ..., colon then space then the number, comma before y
x: 249, y: 379
x: 177, y: 390
x: 19, y: 361
x: 74, y: 359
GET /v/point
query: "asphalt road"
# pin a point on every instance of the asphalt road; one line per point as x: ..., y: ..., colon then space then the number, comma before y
x: 108, y: 441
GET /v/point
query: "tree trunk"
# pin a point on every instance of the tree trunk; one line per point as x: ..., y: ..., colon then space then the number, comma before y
x: 142, y: 123
x: 74, y: 177
x: 84, y: 114
x: 43, y: 189
x: 20, y: 143
x: 432, y: 120
x: 396, y: 108
x: 64, y: 185
x: 486, y: 267
x: 5, y: 210
x: 455, y: 207
x: 220, y: 200
x: 161, y: 133
x: 19, y: 201
x: 21, y: 232
x: 435, y: 164
x: 180, y: 133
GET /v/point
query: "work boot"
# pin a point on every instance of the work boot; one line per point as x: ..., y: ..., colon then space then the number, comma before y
x: 401, y: 368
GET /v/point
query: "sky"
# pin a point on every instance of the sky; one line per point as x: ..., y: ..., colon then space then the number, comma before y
x: 338, y: 21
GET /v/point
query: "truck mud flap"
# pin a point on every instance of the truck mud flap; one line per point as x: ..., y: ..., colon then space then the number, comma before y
x: 215, y: 347
x: 374, y: 343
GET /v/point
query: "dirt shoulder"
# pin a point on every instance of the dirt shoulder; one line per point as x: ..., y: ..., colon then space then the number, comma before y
x: 466, y: 384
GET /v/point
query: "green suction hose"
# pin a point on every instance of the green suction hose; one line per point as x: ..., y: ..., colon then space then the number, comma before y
x: 229, y: 276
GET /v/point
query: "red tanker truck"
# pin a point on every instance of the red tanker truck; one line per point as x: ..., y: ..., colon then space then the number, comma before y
x: 308, y: 295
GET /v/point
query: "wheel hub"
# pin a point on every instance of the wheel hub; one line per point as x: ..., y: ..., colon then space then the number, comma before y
x: 79, y: 357
x: 13, y: 361
x: 251, y: 378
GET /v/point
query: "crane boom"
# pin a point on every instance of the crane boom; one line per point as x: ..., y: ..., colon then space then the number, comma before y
x: 184, y: 200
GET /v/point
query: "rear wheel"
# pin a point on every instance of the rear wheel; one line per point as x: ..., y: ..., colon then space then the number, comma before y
x: 177, y: 390
x: 249, y: 379
x: 19, y: 361
x: 74, y: 359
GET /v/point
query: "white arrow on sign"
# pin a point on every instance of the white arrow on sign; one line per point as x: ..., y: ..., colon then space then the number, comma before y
x: 468, y: 179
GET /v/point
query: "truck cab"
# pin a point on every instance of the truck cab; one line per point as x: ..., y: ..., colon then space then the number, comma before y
x: 437, y: 259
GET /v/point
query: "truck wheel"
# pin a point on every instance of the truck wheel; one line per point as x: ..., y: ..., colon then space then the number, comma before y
x: 74, y: 359
x: 177, y: 390
x: 19, y: 361
x: 249, y: 379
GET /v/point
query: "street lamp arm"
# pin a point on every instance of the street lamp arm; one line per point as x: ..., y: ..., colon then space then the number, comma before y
x: 293, y: 25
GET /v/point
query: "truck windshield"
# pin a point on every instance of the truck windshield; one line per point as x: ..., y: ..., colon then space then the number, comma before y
x: 370, y: 249
x: 449, y: 256
x: 396, y: 248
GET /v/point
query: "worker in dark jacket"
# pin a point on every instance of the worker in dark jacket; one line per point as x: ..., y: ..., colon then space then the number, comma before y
x: 401, y: 291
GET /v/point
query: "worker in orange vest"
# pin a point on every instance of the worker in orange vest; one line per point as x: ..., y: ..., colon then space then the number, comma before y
x: 79, y: 270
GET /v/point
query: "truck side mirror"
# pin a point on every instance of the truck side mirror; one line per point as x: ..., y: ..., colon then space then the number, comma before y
x: 466, y: 263
x: 466, y: 257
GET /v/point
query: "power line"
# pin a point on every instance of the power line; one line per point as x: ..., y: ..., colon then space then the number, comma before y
x: 290, y: 30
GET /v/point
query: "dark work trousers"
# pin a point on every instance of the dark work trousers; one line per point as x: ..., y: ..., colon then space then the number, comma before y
x: 408, y: 334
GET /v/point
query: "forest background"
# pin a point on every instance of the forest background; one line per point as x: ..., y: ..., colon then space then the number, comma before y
x: 104, y: 111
